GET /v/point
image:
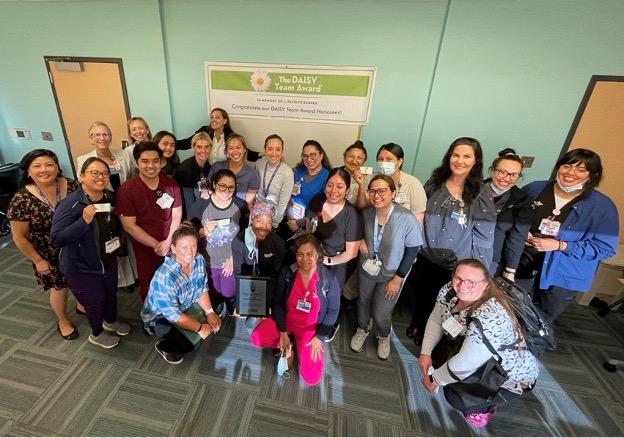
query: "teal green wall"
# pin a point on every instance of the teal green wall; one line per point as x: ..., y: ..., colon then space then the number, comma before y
x: 509, y: 72
x: 31, y: 30
x: 512, y: 73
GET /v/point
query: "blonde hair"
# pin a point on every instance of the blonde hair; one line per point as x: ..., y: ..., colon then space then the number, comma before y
x: 200, y: 136
x: 97, y: 124
x: 142, y: 120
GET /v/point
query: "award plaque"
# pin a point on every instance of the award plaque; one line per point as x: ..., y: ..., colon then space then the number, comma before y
x: 252, y: 295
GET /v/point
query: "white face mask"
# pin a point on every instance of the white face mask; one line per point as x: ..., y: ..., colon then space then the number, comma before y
x: 573, y: 188
x: 386, y: 168
x: 498, y: 190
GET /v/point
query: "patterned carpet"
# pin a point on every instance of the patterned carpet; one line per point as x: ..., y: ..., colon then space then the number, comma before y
x: 51, y: 387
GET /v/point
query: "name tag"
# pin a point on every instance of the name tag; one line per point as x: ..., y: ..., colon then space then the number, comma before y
x: 549, y: 227
x: 165, y: 201
x: 298, y: 211
x: 103, y: 208
x: 304, y: 306
x: 452, y: 327
x: 112, y: 245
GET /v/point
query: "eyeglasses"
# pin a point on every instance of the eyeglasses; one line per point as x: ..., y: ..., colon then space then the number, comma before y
x: 470, y: 284
x: 100, y: 135
x: 97, y: 173
x: 381, y: 192
x: 573, y: 168
x: 310, y: 156
x: 225, y: 188
x: 504, y: 174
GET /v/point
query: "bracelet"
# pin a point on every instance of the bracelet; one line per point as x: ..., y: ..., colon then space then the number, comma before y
x: 561, y: 245
x: 200, y: 327
x: 209, y: 311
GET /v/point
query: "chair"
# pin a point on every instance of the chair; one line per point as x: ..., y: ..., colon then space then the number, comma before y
x: 612, y: 364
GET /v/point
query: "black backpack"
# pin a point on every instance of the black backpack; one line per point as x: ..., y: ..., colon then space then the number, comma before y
x: 539, y: 334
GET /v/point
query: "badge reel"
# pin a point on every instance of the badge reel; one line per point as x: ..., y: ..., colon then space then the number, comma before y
x: 372, y: 267
x: 452, y: 327
x: 165, y: 201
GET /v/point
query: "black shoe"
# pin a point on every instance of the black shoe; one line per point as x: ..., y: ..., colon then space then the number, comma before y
x: 70, y: 337
x: 172, y: 358
x: 332, y: 334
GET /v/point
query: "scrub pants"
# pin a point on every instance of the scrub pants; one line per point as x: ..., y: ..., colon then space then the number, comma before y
x: 147, y: 262
x: 372, y: 301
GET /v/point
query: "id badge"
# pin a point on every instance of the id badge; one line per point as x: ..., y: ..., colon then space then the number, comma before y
x: 114, y: 168
x: 112, y: 245
x: 103, y: 208
x: 549, y: 227
x: 304, y: 306
x: 452, y: 327
x: 296, y: 189
x: 372, y: 267
x: 165, y: 201
x: 298, y: 211
x: 400, y: 198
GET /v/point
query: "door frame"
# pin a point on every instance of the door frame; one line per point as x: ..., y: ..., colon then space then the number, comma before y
x: 581, y: 110
x: 122, y: 77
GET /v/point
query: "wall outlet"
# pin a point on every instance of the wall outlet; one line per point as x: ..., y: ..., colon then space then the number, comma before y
x: 527, y: 161
x: 47, y: 136
x: 20, y: 133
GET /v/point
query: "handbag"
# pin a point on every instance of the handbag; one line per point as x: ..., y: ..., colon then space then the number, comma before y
x: 478, y: 392
x: 445, y: 349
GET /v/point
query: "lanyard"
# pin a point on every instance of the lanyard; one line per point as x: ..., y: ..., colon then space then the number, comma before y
x: 45, y: 200
x: 378, y: 231
x: 265, y: 187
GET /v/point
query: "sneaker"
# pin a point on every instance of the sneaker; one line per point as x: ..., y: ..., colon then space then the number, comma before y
x: 383, y: 347
x: 172, y: 358
x: 478, y: 419
x: 104, y: 340
x: 358, y: 339
x: 332, y: 334
x: 119, y: 328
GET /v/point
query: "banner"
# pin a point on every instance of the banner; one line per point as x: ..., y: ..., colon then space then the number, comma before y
x: 299, y: 92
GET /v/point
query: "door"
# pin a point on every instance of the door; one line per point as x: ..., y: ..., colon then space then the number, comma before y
x: 598, y: 126
x: 88, y: 90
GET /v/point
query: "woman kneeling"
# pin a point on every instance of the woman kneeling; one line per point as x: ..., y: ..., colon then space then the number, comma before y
x: 178, y: 308
x: 473, y: 322
x: 306, y: 303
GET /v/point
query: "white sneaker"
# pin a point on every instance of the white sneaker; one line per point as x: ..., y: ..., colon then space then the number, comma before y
x: 117, y: 327
x: 358, y: 339
x: 383, y: 347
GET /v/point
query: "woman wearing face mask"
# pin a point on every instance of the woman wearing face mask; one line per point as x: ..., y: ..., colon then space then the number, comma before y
x: 574, y: 228
x: 410, y: 193
x: 514, y: 213
x: 218, y: 131
x: 257, y: 249
x: 310, y: 177
x: 120, y: 167
x: 459, y: 223
x: 276, y: 178
x: 138, y: 131
x: 354, y: 158
x: 166, y: 142
x: 247, y: 178
x: 192, y: 174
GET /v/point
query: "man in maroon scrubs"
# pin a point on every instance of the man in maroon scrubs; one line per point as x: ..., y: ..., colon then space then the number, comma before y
x: 150, y: 208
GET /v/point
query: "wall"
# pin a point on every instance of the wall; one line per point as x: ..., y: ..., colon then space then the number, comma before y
x: 31, y: 30
x: 509, y: 72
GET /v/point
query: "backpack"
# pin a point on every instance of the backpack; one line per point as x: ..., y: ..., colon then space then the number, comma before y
x: 539, y: 335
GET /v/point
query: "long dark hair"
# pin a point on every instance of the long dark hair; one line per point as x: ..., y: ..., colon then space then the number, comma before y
x: 174, y: 160
x: 342, y: 173
x: 27, y: 160
x: 227, y: 129
x: 394, y: 149
x: 472, y: 186
x: 325, y: 162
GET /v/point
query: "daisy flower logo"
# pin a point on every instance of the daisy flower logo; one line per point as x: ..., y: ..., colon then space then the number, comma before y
x: 260, y: 80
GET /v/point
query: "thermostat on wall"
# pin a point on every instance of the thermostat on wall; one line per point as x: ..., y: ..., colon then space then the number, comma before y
x: 20, y: 133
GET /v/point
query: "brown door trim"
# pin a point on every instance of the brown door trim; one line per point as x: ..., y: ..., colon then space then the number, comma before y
x: 122, y: 77
x: 581, y: 110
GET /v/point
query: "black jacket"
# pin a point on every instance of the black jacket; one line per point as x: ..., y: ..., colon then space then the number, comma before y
x: 272, y: 252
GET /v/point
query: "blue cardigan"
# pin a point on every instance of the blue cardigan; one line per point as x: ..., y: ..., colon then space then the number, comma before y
x: 591, y: 234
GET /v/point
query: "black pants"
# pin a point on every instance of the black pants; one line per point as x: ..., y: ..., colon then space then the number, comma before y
x: 424, y: 282
x: 175, y: 342
x: 553, y: 301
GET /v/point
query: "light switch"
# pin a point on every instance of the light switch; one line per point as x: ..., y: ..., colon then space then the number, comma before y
x: 20, y: 133
x: 47, y: 136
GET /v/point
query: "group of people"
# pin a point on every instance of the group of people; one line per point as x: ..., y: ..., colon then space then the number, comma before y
x: 329, y: 237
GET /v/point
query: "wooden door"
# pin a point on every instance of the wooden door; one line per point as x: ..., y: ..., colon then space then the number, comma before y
x: 93, y: 90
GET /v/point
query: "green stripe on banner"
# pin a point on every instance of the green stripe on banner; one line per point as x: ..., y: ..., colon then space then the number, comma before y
x: 290, y: 83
